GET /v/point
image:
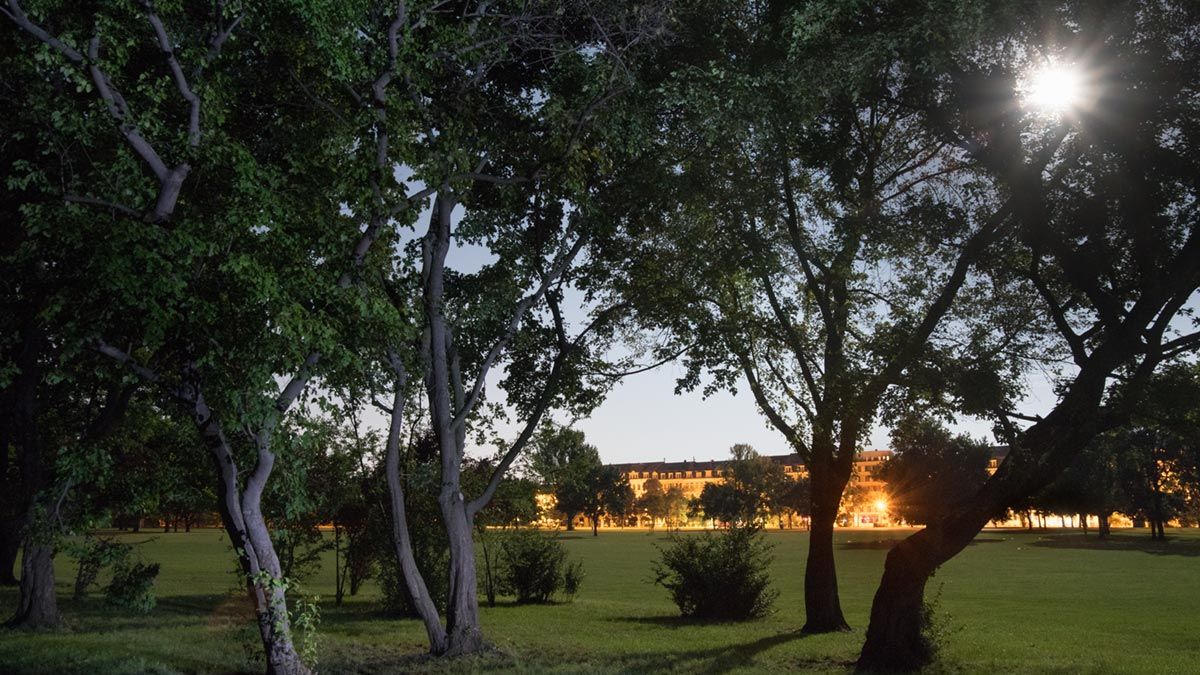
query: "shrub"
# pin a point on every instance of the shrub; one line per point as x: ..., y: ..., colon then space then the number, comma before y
x: 132, y: 586
x: 534, y: 567
x: 93, y: 555
x: 718, y: 575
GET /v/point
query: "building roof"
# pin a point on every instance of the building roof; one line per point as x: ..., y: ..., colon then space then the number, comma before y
x: 998, y: 452
x: 792, y: 459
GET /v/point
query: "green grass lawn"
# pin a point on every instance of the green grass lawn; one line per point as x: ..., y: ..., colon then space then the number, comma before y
x: 1013, y: 602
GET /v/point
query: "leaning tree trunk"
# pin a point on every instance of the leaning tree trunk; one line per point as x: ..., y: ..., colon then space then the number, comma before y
x: 895, y: 637
x: 822, y: 605
x: 401, y: 538
x: 242, y: 517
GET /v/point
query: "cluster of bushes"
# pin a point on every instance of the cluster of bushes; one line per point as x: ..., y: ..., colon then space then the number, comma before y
x: 132, y: 584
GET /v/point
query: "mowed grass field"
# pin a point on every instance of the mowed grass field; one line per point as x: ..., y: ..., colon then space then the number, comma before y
x: 1014, y: 602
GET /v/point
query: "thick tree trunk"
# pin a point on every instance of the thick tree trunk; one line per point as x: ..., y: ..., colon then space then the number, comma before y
x: 10, y: 545
x: 464, y: 635
x: 38, y: 604
x: 822, y: 605
x: 1103, y: 528
x: 895, y: 639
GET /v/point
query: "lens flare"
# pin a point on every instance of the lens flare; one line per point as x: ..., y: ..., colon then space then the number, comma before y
x: 1053, y: 88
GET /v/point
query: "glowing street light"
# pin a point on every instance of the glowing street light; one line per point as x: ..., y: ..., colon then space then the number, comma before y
x: 880, y: 505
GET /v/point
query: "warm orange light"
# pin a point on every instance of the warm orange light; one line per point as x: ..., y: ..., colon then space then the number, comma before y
x: 881, y: 505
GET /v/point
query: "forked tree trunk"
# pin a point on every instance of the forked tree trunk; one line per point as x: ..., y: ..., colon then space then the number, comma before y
x: 822, y: 605
x: 464, y: 635
x: 242, y: 517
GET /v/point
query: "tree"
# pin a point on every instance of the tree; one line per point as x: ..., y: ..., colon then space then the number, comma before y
x: 608, y: 493
x: 782, y: 192
x: 507, y: 108
x: 206, y: 292
x: 744, y: 496
x: 933, y: 471
x: 1099, y: 244
x: 570, y: 467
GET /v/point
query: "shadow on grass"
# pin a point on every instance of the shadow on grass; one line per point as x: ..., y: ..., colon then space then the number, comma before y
x: 708, y: 661
x: 888, y: 544
x: 1122, y: 542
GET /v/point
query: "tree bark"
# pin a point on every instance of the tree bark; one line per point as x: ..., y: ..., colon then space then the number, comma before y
x: 38, y: 605
x: 895, y: 639
x: 243, y: 520
x: 822, y: 605
x: 401, y: 538
x: 1103, y: 529
x: 464, y: 635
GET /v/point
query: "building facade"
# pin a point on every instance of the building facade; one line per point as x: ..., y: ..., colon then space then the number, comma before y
x: 865, y: 504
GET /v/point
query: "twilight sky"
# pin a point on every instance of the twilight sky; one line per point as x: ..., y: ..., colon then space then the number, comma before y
x: 643, y: 420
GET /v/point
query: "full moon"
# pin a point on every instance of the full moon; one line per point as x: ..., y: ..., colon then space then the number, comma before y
x: 1053, y: 88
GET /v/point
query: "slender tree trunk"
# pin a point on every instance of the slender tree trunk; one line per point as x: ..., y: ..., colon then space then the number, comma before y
x: 243, y: 520
x: 822, y: 606
x: 401, y: 538
x: 595, y: 526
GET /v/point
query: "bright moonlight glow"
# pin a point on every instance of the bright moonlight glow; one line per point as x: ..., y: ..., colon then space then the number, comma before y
x: 1053, y: 88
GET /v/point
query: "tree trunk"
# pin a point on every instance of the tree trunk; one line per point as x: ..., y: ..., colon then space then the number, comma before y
x: 895, y: 637
x: 570, y: 522
x: 822, y: 606
x: 464, y: 635
x: 401, y: 538
x: 1103, y: 529
x: 38, y: 605
x: 248, y: 534
x: 595, y: 526
x: 10, y: 545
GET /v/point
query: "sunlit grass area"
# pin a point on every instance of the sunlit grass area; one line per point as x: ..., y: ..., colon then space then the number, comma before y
x: 1014, y: 602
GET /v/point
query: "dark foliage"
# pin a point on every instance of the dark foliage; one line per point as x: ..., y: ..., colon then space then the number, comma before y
x: 721, y: 576
x: 132, y: 586
x: 534, y: 567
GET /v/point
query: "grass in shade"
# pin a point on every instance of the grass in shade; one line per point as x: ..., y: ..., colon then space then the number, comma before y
x: 1014, y: 602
